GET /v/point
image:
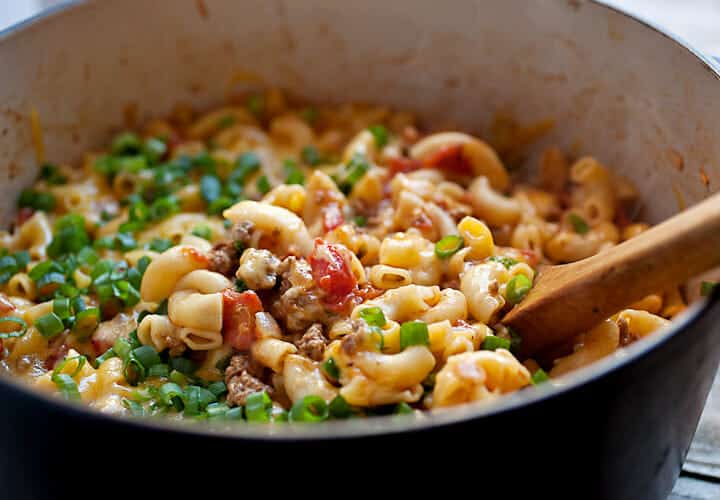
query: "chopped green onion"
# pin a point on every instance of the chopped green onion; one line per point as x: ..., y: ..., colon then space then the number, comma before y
x: 164, y: 207
x: 202, y: 231
x: 263, y: 184
x: 707, y: 287
x: 257, y: 407
x: 45, y: 283
x: 493, y: 342
x: 218, y: 388
x: 240, y: 285
x: 146, y: 355
x: 351, y: 173
x: 403, y: 409
x: 339, y: 408
x: 136, y: 409
x: 331, y: 368
x: 234, y: 413
x: 15, y: 333
x: 220, y: 204
x: 110, y: 353
x: 210, y: 188
x: 517, y: 288
x: 578, y: 223
x: 67, y: 386
x: 309, y: 409
x: 311, y: 156
x: 183, y: 365
x: 256, y: 104
x: 37, y: 200
x: 177, y: 377
x: 49, y: 325
x: 294, y: 174
x: 154, y: 149
x: 122, y: 348
x: 70, y: 236
x: 373, y: 316
x: 86, y: 322
x: 171, y: 394
x: 309, y: 114
x: 360, y: 221
x: 448, y: 246
x: 413, y: 333
x: 381, y: 135
x: 51, y: 174
x: 196, y: 399
x: 159, y: 245
x: 377, y: 331
x: 226, y: 121
x: 142, y: 264
x: 539, y: 377
x: 126, y: 143
x: 87, y: 256
x: 217, y: 410
x: 508, y: 262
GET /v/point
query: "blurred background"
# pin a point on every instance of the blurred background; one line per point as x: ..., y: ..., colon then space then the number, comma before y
x: 696, y: 21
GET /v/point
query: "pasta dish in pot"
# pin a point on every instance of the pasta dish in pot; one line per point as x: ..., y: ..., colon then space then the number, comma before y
x: 275, y: 261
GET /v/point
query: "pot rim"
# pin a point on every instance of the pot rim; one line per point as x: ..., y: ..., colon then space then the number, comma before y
x: 391, y: 424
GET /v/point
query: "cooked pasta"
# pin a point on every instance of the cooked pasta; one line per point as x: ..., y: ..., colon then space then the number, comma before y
x: 280, y: 261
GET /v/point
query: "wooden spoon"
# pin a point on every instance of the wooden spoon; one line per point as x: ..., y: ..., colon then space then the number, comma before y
x: 572, y: 298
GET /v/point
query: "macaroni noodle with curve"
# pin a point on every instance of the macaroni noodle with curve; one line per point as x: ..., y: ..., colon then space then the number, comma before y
x: 275, y: 261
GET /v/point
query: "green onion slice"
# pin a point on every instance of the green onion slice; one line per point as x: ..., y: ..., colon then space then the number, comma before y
x: 15, y: 333
x: 539, y: 377
x: 373, y: 316
x: 493, y: 342
x: 413, y: 333
x: 578, y: 223
x: 49, y: 325
x: 448, y: 246
x: 517, y: 288
x: 309, y: 409
x: 257, y: 407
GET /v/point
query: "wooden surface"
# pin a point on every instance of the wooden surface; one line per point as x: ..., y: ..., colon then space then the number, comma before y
x: 572, y: 298
x: 701, y: 472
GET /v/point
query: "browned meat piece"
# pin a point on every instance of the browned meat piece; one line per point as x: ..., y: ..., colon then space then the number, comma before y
x: 299, y: 304
x: 224, y: 259
x: 109, y: 331
x: 241, y: 380
x: 312, y: 343
x: 242, y: 232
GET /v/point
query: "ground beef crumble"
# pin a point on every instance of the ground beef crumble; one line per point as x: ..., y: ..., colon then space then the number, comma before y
x: 312, y: 343
x: 242, y: 377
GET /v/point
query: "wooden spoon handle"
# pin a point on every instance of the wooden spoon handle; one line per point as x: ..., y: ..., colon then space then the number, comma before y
x: 572, y: 298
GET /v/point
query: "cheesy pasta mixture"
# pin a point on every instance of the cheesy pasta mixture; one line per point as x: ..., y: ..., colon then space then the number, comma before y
x: 271, y: 261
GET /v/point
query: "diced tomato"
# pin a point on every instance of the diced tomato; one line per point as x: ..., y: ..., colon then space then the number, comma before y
x: 332, y: 217
x: 331, y: 271
x: 6, y: 307
x: 56, y: 354
x: 239, y: 310
x: 2, y: 349
x: 401, y: 164
x: 23, y: 215
x: 196, y: 255
x: 450, y: 159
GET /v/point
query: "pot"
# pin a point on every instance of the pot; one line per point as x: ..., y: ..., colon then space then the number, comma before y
x: 612, y: 85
